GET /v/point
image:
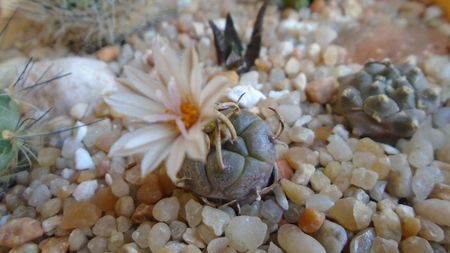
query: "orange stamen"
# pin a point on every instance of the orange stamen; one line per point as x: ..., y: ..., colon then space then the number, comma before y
x: 189, y: 114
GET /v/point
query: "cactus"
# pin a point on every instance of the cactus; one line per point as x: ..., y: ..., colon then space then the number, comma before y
x: 249, y: 162
x: 384, y: 101
x: 87, y: 24
x: 12, y: 141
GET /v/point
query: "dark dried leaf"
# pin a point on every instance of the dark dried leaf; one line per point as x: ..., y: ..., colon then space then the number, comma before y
x: 232, y: 41
x: 254, y: 46
x: 219, y: 42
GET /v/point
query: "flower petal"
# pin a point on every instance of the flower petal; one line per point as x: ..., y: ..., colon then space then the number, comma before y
x: 196, y: 146
x: 166, y: 64
x: 155, y: 155
x: 140, y: 140
x: 148, y: 134
x: 154, y: 118
x: 212, y: 91
x: 175, y: 158
x: 190, y: 58
x: 196, y: 82
x: 133, y: 105
x: 142, y: 82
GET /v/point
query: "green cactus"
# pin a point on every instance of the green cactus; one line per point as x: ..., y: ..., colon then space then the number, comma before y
x: 384, y: 101
x: 12, y: 143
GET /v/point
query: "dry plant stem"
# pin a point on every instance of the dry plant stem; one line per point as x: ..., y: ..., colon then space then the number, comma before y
x: 218, y: 144
x: 228, y: 123
x: 228, y: 105
x: 280, y: 126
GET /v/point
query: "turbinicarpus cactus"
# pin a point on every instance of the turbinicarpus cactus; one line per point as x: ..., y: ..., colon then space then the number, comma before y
x: 384, y: 101
x: 88, y: 24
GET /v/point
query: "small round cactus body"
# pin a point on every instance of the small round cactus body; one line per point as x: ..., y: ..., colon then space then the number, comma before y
x: 249, y: 162
x: 384, y: 101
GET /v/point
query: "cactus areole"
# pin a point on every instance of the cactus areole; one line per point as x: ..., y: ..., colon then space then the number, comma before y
x: 249, y: 163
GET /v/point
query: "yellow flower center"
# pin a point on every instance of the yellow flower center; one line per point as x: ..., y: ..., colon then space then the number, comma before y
x: 189, y: 114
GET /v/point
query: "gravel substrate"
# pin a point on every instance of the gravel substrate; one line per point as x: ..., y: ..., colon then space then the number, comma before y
x: 337, y: 192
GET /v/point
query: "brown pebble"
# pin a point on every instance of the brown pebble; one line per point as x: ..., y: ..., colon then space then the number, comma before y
x: 322, y: 91
x: 19, y: 231
x: 410, y: 226
x: 85, y: 176
x: 165, y: 182
x: 441, y: 191
x: 54, y: 245
x: 108, y: 53
x: 104, y: 199
x: 323, y: 132
x: 80, y: 215
x: 263, y: 65
x: 142, y: 213
x: 318, y: 5
x: 150, y: 191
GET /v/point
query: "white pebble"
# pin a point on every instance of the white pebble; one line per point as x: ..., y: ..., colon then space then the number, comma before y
x: 303, y: 120
x: 79, y: 110
x: 38, y: 195
x: 215, y: 219
x: 320, y: 202
x: 83, y: 160
x: 166, y: 209
x: 246, y: 233
x: 290, y: 113
x: 217, y: 245
x: 303, y: 174
x: 85, y: 190
x: 67, y: 173
x: 301, y: 134
x: 250, y: 98
x: 159, y: 236
x: 192, y: 236
x: 364, y: 178
x: 69, y: 147
x: 404, y: 211
x: 325, y: 35
x: 300, y: 82
x: 339, y: 149
x: 80, y: 132
x: 250, y: 78
x: 292, y: 67
x: 293, y: 240
x: 424, y: 180
x: 193, y: 213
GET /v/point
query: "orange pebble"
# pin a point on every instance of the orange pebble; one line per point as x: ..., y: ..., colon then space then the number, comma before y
x: 166, y: 183
x: 284, y: 170
x: 311, y: 220
x: 104, y: 199
x: 410, y: 226
x: 150, y: 191
x: 323, y: 132
x: 142, y: 213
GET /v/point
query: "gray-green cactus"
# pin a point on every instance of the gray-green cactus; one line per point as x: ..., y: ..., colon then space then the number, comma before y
x: 249, y: 162
x: 384, y: 101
